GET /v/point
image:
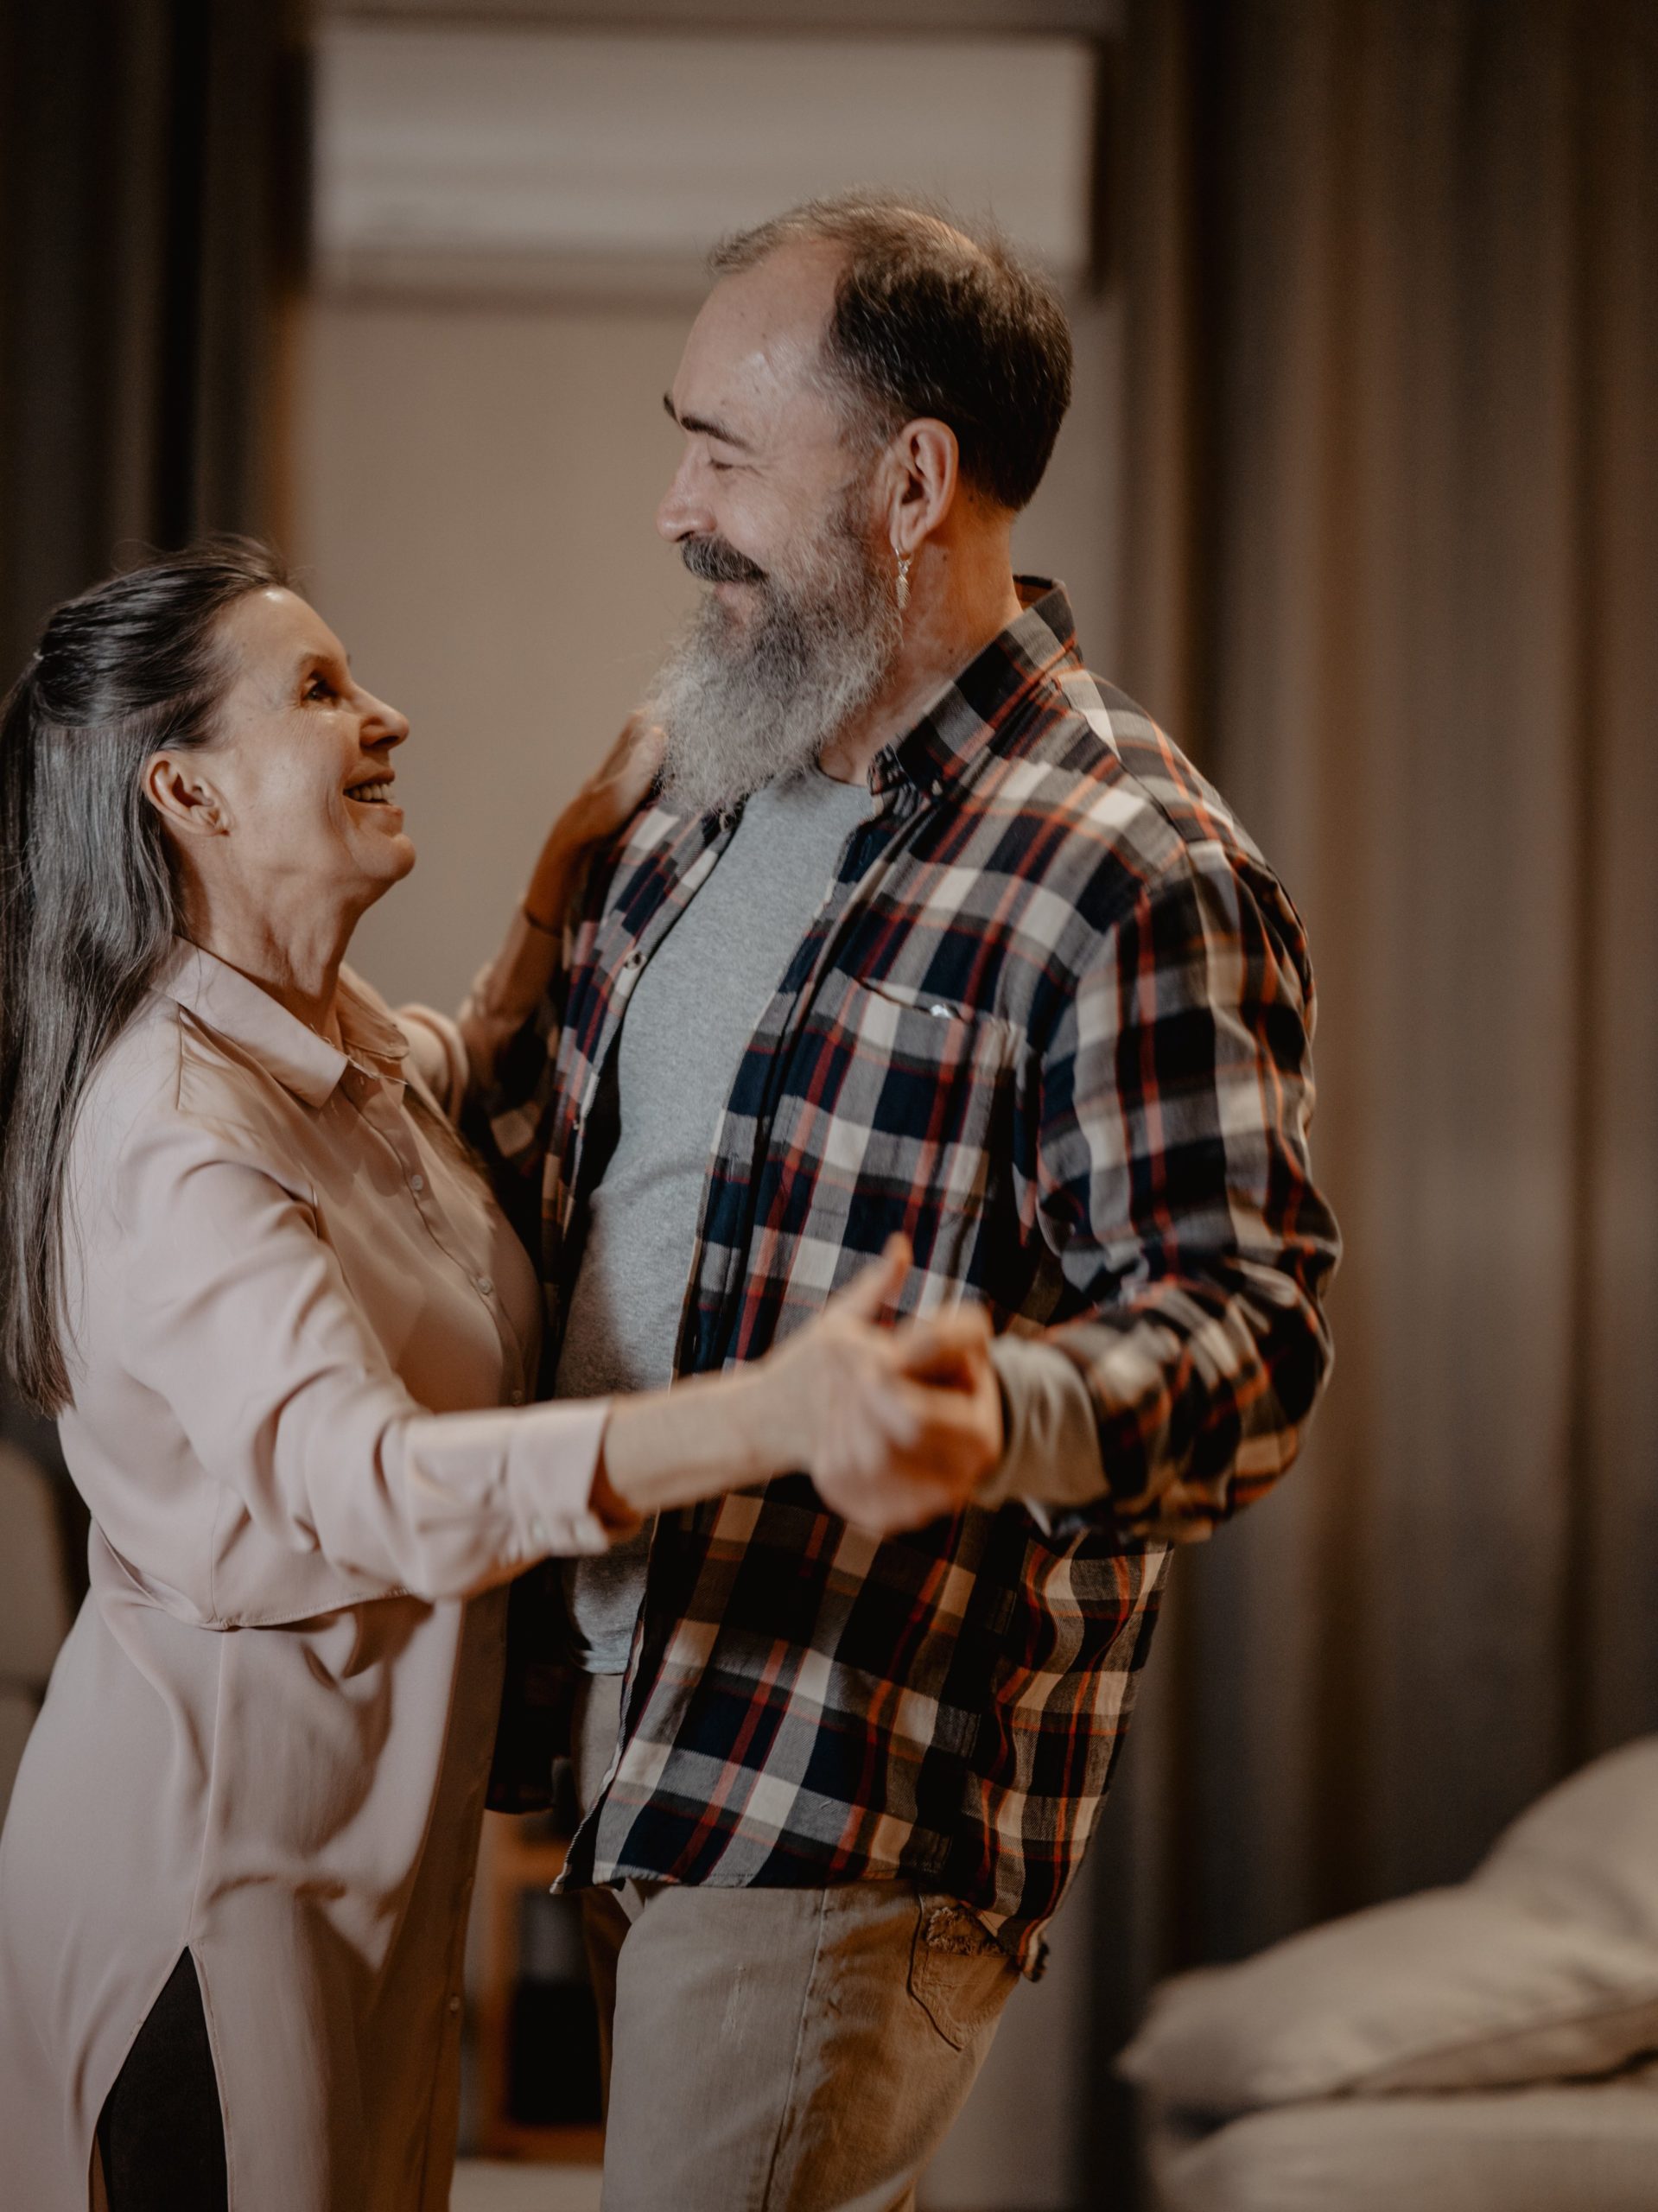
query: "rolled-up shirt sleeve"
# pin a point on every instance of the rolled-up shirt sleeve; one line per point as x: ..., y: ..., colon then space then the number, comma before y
x: 237, y: 1314
x: 1176, y: 1189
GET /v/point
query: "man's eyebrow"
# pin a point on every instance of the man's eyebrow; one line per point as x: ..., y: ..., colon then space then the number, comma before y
x: 699, y: 427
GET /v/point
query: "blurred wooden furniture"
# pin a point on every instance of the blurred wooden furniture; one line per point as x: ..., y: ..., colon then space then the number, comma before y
x: 521, y: 1856
x: 37, y: 1600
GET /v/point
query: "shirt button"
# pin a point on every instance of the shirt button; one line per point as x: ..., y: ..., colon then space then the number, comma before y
x: 486, y: 1284
x: 455, y: 2005
x: 538, y: 1529
x: 418, y: 1184
x: 517, y: 1398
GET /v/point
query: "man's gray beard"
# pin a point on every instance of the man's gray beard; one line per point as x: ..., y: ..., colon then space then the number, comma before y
x: 745, y: 707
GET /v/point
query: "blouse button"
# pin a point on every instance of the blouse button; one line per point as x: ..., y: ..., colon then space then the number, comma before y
x: 418, y: 1184
x: 517, y: 1398
x: 455, y: 2005
x: 486, y: 1284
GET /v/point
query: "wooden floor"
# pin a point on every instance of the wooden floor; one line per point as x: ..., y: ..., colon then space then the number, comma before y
x: 492, y: 2185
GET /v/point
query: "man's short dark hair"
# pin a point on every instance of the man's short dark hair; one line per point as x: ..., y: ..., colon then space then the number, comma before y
x: 929, y: 319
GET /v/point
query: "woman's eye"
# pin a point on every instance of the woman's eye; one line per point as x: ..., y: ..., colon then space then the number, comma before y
x: 319, y: 688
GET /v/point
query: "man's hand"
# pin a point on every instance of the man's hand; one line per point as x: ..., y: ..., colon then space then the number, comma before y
x: 895, y: 1426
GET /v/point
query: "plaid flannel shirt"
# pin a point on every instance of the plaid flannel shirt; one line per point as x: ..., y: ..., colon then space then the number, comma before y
x: 1053, y: 1022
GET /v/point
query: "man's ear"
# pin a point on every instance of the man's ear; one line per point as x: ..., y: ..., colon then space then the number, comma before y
x: 926, y: 478
x: 186, y: 802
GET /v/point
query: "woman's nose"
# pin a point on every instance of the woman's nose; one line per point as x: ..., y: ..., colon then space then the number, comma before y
x: 383, y: 724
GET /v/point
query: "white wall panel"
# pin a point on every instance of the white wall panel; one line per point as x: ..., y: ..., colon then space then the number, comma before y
x: 457, y: 157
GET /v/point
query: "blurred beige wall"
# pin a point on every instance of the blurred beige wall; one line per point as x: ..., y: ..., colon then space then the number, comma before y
x: 475, y: 492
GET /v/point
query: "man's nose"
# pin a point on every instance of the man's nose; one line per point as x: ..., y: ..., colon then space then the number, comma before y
x: 684, y: 510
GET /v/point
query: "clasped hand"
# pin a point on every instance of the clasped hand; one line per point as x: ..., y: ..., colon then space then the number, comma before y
x: 896, y: 1425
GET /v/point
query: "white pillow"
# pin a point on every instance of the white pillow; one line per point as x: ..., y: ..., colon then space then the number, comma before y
x: 1588, y: 1851
x: 1543, y: 1968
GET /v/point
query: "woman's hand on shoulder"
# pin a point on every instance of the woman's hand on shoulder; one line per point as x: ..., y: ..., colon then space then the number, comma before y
x: 619, y: 785
x: 606, y: 802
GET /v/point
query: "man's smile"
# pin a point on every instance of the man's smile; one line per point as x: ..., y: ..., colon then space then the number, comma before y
x: 715, y: 561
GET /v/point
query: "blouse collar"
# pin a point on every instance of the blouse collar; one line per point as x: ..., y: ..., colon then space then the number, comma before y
x: 237, y: 1009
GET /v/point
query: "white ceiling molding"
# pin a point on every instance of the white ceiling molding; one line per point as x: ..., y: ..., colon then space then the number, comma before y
x: 1016, y: 18
x: 513, y: 160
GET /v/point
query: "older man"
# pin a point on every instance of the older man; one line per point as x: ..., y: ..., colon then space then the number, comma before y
x: 926, y: 931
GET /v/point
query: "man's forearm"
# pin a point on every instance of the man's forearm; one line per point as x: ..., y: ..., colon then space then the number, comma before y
x: 1050, y: 1457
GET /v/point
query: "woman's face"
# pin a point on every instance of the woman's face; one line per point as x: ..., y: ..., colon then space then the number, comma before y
x: 300, y: 773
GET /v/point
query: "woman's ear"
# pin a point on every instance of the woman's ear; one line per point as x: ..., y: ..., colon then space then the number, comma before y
x: 186, y: 802
x: 925, y: 482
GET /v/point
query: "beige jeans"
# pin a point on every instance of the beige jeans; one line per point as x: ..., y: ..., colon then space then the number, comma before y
x: 779, y: 2051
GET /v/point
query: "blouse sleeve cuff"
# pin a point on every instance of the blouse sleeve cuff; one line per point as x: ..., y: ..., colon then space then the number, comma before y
x: 523, y: 1480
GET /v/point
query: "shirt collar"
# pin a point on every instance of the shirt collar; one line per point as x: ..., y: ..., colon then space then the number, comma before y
x: 237, y: 1009
x: 989, y: 697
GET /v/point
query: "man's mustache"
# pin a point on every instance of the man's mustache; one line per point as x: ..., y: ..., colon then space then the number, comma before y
x: 717, y: 562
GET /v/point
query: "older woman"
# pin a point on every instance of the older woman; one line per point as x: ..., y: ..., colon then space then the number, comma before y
x: 250, y: 1264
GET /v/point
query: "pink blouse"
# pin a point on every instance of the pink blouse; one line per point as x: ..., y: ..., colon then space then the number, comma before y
x: 294, y: 1314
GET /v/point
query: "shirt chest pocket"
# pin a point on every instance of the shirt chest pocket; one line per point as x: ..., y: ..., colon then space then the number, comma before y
x: 898, y: 1115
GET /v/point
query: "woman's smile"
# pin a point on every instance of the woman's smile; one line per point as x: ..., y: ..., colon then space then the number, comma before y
x: 376, y: 791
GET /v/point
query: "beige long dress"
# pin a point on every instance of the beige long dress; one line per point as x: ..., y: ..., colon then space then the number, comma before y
x: 267, y: 1737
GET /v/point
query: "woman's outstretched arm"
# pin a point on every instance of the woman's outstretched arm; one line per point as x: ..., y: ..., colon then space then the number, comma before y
x: 457, y: 1054
x: 233, y: 1308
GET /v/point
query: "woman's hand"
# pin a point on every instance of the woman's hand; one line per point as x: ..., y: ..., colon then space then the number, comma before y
x: 606, y: 802
x: 895, y: 1426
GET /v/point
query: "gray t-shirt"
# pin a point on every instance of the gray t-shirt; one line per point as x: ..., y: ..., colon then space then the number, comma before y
x: 691, y: 1014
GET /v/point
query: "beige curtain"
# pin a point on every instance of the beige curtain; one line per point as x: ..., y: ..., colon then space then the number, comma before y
x: 1391, y: 271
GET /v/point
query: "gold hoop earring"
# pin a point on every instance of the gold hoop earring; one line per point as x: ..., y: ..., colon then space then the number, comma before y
x: 903, y: 561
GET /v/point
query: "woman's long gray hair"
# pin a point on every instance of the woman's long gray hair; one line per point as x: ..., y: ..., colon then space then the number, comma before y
x: 89, y: 903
